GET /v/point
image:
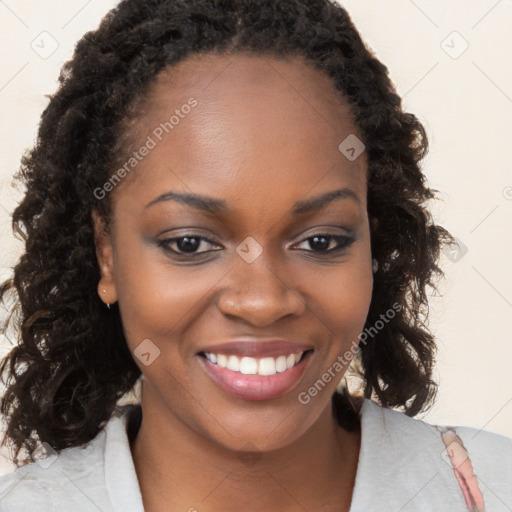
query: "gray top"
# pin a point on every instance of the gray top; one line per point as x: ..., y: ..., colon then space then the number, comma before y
x: 402, y: 467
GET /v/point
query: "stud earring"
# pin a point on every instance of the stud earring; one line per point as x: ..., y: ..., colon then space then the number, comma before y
x: 375, y: 265
x: 105, y: 291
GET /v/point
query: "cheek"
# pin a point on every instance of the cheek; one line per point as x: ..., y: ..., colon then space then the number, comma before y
x: 157, y: 298
x: 348, y: 298
x: 340, y: 299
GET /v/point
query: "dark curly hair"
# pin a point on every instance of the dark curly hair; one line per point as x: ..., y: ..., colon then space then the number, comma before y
x: 71, y: 365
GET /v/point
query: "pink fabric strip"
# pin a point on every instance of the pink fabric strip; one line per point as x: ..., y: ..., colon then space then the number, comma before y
x: 463, y: 469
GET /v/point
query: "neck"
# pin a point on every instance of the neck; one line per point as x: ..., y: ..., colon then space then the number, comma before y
x: 178, y: 469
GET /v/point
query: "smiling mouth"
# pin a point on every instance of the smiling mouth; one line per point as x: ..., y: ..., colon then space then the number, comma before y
x: 264, y: 366
x: 256, y: 378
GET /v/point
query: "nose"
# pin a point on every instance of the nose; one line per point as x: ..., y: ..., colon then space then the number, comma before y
x: 259, y: 293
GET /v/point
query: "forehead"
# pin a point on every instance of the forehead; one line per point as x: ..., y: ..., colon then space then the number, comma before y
x: 244, y: 82
x: 260, y: 123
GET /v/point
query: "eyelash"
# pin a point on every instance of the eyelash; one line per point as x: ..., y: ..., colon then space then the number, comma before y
x: 343, y: 243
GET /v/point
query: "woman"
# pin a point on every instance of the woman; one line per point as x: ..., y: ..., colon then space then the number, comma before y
x: 225, y: 205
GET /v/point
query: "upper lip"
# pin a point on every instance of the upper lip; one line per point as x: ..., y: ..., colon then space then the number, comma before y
x: 257, y: 347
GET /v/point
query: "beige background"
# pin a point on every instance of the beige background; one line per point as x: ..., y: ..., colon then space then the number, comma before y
x: 463, y: 98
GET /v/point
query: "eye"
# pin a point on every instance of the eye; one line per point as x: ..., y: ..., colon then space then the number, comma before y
x: 325, y: 243
x: 187, y: 244
x: 320, y: 243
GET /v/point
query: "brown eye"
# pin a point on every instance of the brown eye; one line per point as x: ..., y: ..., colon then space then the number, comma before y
x: 323, y: 243
x: 187, y: 244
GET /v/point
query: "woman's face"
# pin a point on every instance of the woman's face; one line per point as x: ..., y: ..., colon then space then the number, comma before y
x: 278, y: 248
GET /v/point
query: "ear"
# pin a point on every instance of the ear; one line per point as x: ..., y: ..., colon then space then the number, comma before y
x: 107, y: 289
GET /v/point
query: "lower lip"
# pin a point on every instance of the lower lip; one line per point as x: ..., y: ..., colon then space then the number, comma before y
x: 255, y: 387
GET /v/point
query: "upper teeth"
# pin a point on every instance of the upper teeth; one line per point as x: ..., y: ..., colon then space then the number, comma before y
x: 252, y: 366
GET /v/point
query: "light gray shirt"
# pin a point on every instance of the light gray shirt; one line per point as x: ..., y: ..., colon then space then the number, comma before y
x: 402, y: 467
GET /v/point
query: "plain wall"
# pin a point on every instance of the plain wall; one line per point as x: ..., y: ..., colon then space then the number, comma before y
x: 464, y: 99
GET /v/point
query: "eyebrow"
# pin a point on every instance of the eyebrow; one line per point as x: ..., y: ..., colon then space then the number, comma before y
x: 215, y: 206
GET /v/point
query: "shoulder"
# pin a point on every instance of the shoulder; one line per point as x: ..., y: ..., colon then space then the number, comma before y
x: 400, y: 420
x: 72, y: 479
x: 479, y: 443
x: 490, y: 455
x: 413, y: 450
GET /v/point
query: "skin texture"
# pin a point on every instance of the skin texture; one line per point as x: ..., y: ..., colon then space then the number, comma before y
x: 264, y: 135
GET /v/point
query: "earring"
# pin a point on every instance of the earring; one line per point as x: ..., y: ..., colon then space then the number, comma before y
x: 105, y: 291
x: 375, y: 265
